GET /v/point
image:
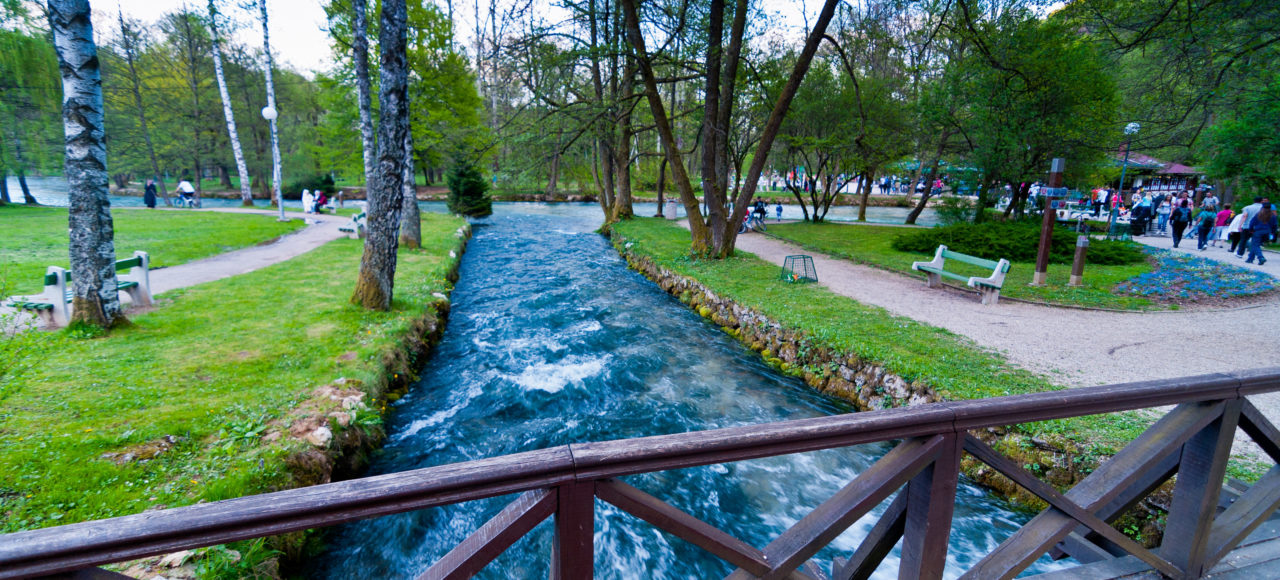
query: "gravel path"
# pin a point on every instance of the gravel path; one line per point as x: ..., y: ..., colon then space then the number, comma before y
x: 1070, y: 347
x: 321, y: 229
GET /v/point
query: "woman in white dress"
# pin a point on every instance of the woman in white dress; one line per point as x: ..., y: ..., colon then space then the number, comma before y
x: 308, y: 201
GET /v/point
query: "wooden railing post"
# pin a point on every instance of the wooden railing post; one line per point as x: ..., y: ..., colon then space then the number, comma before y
x: 1195, y: 495
x: 573, y: 556
x: 931, y: 499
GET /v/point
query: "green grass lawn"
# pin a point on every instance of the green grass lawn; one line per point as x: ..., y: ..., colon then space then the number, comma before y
x: 214, y: 367
x: 869, y: 244
x: 34, y: 238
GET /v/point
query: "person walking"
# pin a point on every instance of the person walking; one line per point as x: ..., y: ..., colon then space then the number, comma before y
x: 1162, y: 216
x: 149, y: 194
x: 1220, y: 226
x: 778, y: 210
x: 1247, y: 214
x: 1205, y: 221
x: 1233, y: 232
x: 1263, y: 226
x: 1178, y: 220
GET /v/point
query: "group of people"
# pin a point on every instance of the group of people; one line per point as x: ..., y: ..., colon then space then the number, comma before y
x: 1210, y: 223
x: 314, y: 202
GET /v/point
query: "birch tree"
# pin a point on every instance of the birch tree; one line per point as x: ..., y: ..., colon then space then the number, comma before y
x: 95, y: 299
x: 360, y: 50
x: 246, y: 196
x: 375, y: 284
x: 410, y: 218
x: 271, y: 104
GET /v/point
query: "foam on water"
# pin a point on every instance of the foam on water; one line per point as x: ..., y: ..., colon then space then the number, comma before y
x: 552, y: 340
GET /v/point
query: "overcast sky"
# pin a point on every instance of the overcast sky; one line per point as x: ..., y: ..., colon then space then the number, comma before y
x: 299, y: 38
x: 298, y: 35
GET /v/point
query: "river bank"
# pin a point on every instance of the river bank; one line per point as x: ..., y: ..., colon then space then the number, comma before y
x: 204, y: 398
x: 876, y: 360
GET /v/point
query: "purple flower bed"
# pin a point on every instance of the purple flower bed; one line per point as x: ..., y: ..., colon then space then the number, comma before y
x: 1179, y: 276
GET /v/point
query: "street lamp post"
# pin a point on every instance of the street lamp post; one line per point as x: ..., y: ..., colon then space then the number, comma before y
x: 1129, y: 131
x: 269, y: 113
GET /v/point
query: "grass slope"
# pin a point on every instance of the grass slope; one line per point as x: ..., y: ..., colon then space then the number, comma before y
x: 211, y: 366
x: 34, y: 238
x: 871, y: 245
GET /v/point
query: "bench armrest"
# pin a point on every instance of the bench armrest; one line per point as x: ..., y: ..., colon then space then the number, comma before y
x: 938, y: 262
x: 996, y: 279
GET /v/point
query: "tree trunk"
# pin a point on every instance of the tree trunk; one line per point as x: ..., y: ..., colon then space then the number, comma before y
x: 20, y: 168
x: 246, y: 195
x: 271, y: 103
x: 95, y: 299
x: 360, y: 51
x: 4, y: 187
x: 410, y: 220
x: 376, y: 281
x: 706, y: 240
x: 864, y: 182
x: 662, y: 185
x: 928, y: 189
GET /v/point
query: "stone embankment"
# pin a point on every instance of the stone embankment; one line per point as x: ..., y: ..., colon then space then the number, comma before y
x: 868, y: 385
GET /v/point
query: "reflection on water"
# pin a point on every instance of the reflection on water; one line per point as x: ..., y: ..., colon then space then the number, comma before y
x: 552, y: 340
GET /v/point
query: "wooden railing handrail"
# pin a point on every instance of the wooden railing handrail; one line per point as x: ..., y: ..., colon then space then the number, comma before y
x: 76, y: 546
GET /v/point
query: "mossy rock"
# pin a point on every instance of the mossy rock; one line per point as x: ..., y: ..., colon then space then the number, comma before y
x: 704, y: 312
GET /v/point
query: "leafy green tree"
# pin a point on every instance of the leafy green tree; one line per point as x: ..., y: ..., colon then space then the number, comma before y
x: 468, y: 189
x: 1247, y: 147
x: 1033, y: 91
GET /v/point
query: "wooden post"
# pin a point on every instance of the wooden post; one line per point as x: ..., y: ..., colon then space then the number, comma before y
x: 931, y: 498
x: 1077, y: 267
x: 1195, y: 496
x: 1041, y: 275
x: 573, y: 556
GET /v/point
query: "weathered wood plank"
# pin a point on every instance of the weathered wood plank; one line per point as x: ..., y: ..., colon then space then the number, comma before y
x: 573, y: 556
x: 878, y: 543
x: 81, y: 545
x: 89, y: 574
x: 1100, y: 487
x: 823, y: 524
x: 1150, y: 479
x: 672, y: 520
x: 931, y: 499
x: 1261, y: 430
x: 1195, y: 495
x: 1248, y: 512
x: 494, y: 537
x: 1046, y: 492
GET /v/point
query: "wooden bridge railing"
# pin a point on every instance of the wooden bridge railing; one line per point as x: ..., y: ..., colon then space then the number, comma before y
x: 1192, y: 442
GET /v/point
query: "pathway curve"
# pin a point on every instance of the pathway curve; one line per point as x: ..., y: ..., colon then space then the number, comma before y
x: 1070, y: 347
x: 321, y: 229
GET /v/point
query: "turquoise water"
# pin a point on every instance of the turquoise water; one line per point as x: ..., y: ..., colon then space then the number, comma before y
x: 552, y: 340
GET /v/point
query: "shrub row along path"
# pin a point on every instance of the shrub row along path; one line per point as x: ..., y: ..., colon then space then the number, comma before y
x: 1072, y: 347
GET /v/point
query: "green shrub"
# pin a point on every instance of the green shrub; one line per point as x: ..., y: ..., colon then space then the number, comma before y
x: 954, y: 210
x: 314, y: 183
x: 1016, y: 241
x: 467, y: 189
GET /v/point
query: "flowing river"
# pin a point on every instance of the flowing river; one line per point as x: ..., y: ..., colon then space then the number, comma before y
x: 552, y: 340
